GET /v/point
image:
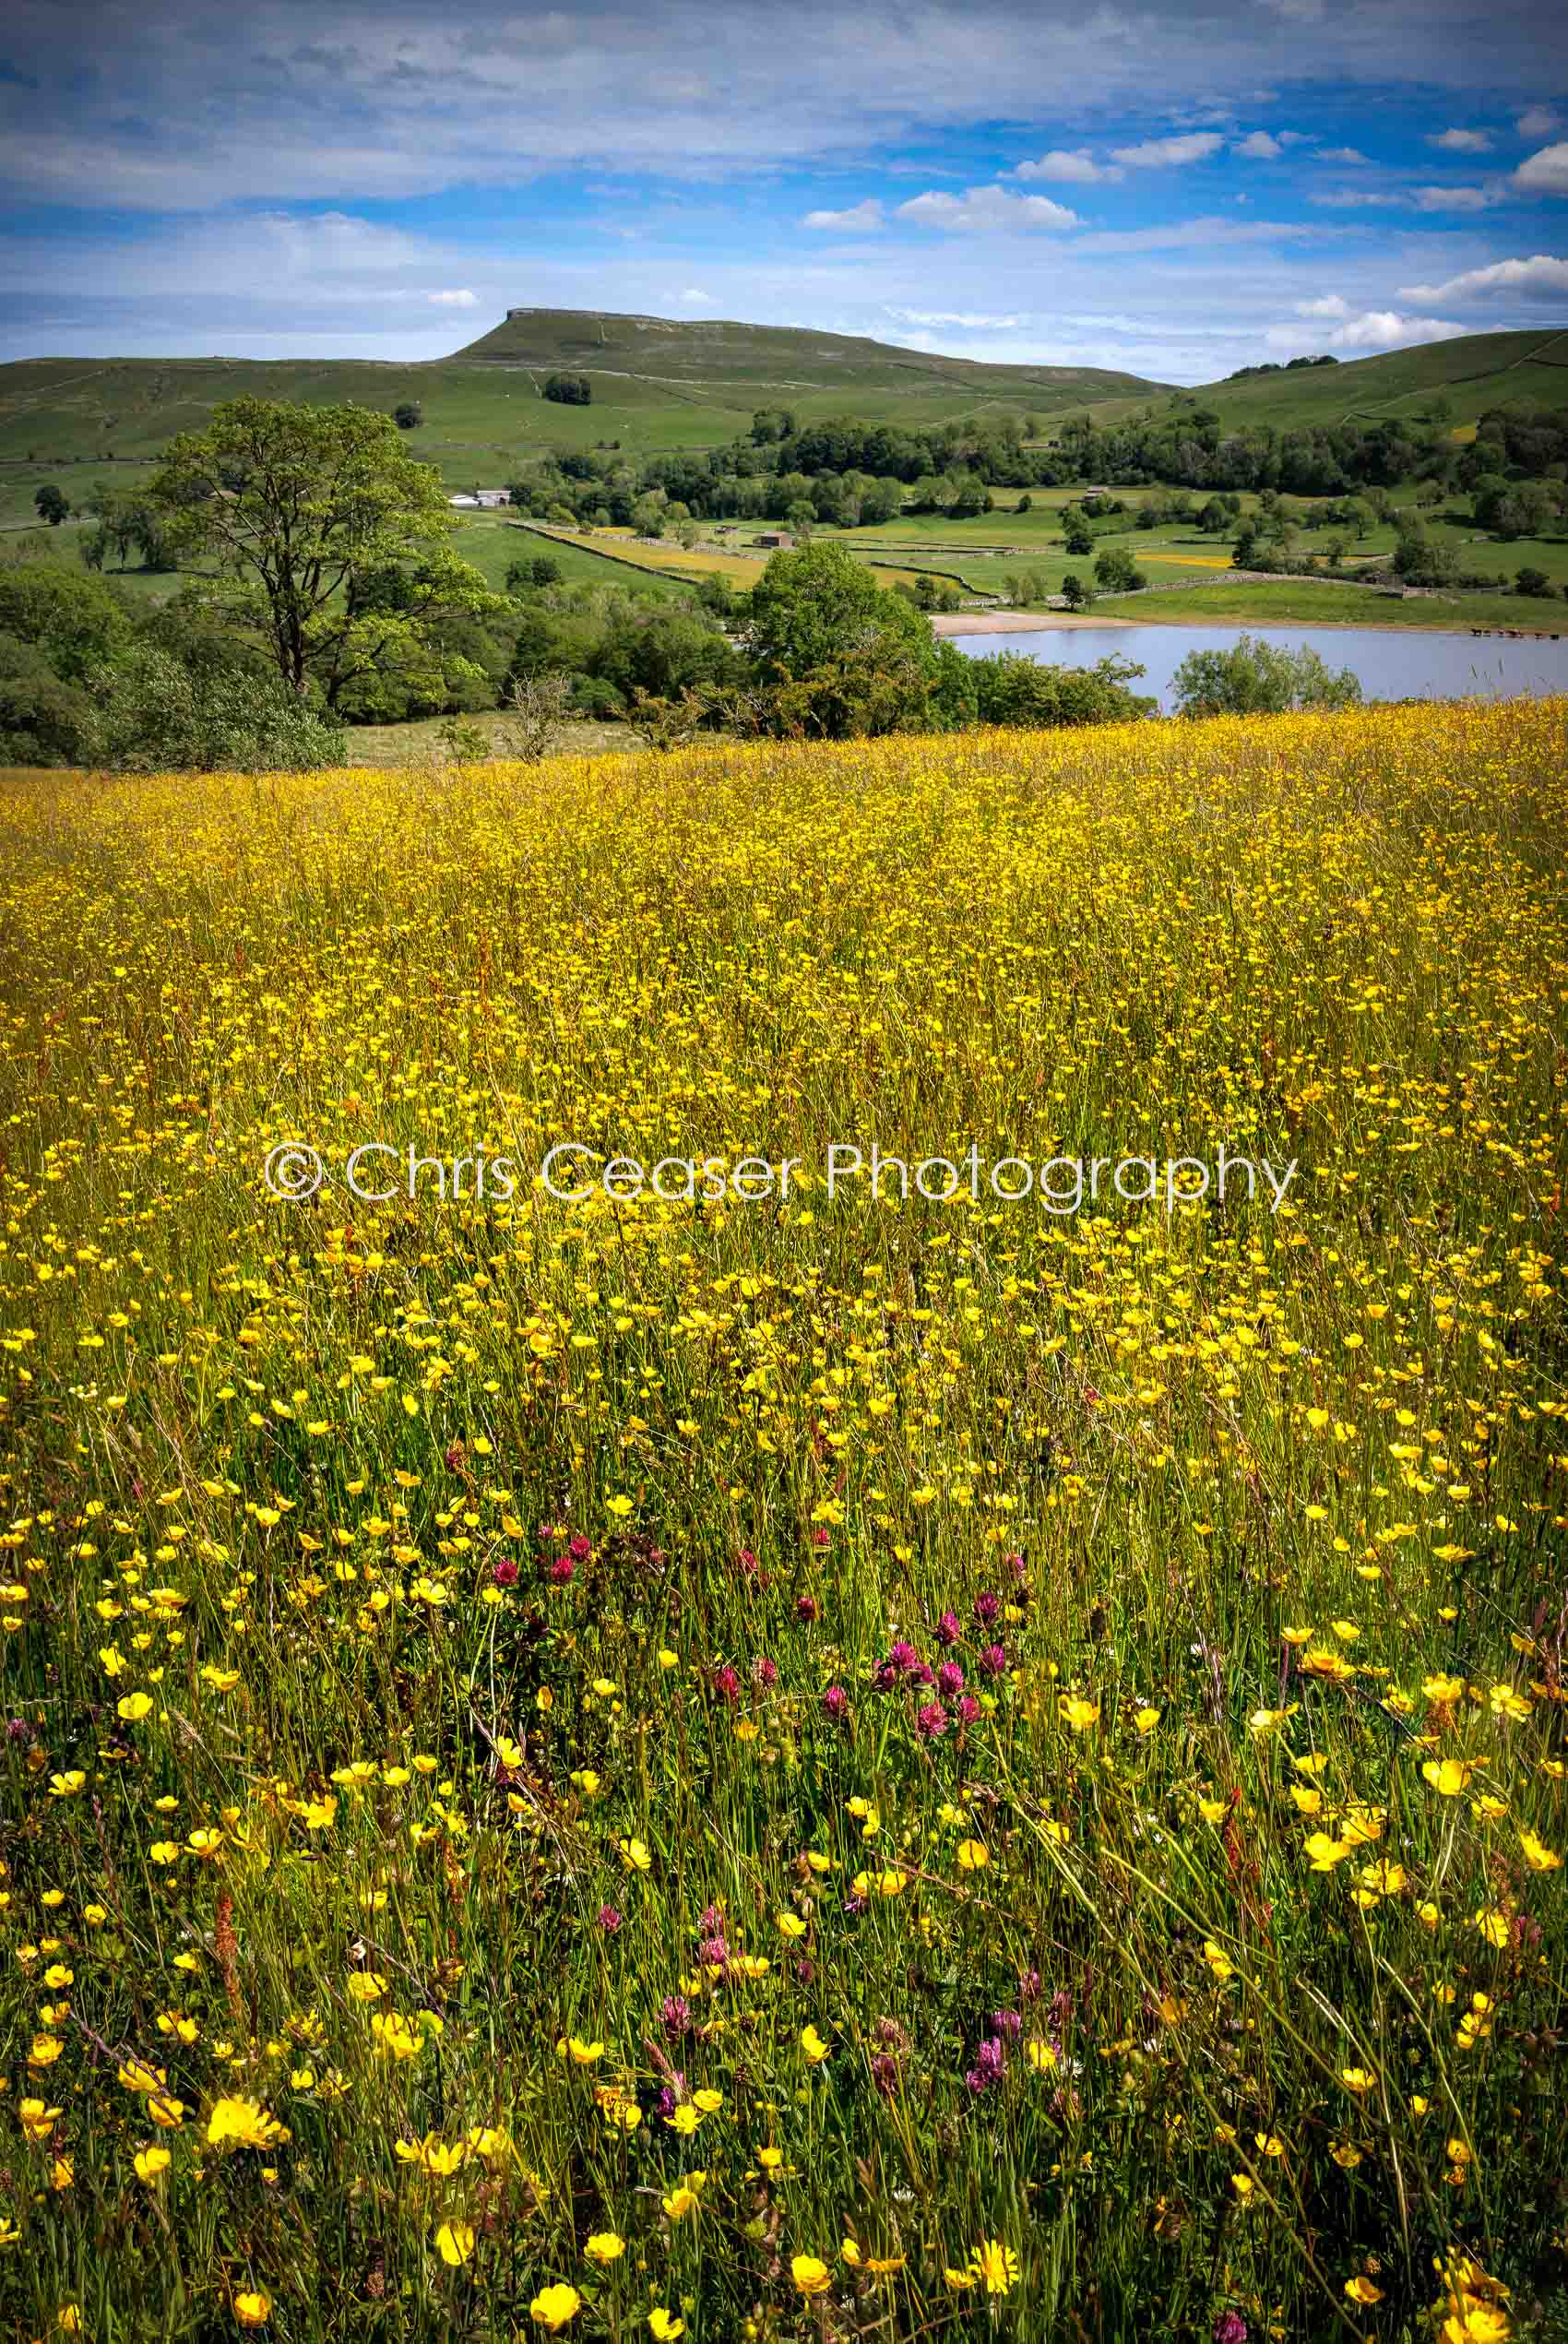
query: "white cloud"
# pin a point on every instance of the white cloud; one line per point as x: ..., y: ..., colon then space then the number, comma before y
x: 367, y: 100
x: 970, y: 321
x: 1539, y: 274
x: 1211, y: 235
x: 1362, y: 331
x: 1259, y: 145
x: 1461, y: 142
x: 1538, y: 122
x: 1457, y: 198
x: 1342, y: 154
x: 854, y: 222
x: 1075, y: 166
x: 1356, y: 198
x: 1545, y: 172
x: 1156, y: 154
x: 462, y: 298
x: 695, y: 294
x: 1071, y: 167
x: 1387, y: 329
x: 986, y: 212
x: 1432, y: 198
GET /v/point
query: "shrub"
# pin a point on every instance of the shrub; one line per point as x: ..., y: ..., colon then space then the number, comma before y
x: 531, y: 572
x: 1255, y: 678
x: 157, y: 718
x: 595, y: 696
x: 1011, y: 688
x: 43, y: 722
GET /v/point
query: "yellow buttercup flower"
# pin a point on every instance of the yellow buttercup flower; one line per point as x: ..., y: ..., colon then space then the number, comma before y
x: 554, y: 2306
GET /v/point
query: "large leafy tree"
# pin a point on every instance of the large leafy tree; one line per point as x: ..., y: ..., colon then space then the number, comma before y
x: 838, y: 655
x: 311, y: 513
x: 76, y: 622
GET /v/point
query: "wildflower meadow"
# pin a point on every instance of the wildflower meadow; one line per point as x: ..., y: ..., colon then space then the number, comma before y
x: 791, y: 1768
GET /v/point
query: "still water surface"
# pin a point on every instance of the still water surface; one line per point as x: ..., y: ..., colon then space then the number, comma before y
x: 1393, y: 663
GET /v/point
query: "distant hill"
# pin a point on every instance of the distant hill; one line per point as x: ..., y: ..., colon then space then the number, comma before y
x: 1473, y: 372
x: 708, y: 358
x: 661, y: 384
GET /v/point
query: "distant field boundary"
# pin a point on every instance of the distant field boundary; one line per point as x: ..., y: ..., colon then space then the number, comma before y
x: 926, y: 569
x: 620, y: 561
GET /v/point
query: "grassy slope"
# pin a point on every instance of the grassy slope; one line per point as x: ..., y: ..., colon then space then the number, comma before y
x: 1475, y: 371
x: 659, y: 385
x: 778, y: 364
x: 656, y: 387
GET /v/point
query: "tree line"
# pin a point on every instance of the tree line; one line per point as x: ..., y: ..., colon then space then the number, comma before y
x: 841, y: 472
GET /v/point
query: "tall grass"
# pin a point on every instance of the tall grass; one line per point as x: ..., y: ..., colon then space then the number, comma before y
x: 807, y: 1769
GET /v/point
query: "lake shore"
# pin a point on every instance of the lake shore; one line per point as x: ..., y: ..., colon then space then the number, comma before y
x: 1047, y: 622
x: 1018, y: 622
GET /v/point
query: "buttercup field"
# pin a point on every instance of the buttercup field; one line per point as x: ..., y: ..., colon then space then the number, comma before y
x: 770, y: 1769
x: 783, y: 1142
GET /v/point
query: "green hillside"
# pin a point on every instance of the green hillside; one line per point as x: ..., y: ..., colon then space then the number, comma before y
x: 658, y: 384
x: 1473, y: 373
x: 705, y: 359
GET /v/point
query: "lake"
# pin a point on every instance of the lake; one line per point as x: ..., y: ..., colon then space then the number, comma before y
x: 1403, y: 663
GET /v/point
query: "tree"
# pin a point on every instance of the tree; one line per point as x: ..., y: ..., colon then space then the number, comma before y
x: 1533, y: 581
x: 662, y: 649
x: 837, y: 656
x: 76, y: 622
x: 52, y: 505
x: 532, y: 571
x: 127, y: 522
x: 313, y: 513
x: 568, y: 390
x: 1077, y: 536
x: 1419, y: 559
x: 1116, y: 572
x: 42, y: 721
x: 1074, y: 593
x: 883, y: 501
x: 930, y: 593
x: 537, y: 706
x: 1255, y: 678
x: 408, y: 414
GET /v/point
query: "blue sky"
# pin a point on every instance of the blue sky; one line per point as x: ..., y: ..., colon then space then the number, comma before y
x: 1173, y: 189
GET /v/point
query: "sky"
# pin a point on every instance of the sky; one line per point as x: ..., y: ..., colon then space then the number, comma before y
x: 1171, y: 187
